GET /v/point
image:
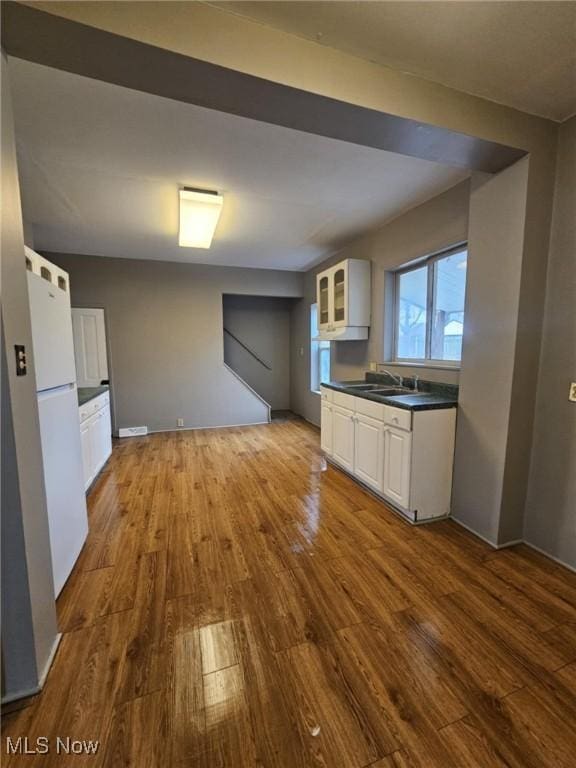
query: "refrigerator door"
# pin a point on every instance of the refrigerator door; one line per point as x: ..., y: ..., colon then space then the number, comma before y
x: 51, y: 333
x: 63, y: 474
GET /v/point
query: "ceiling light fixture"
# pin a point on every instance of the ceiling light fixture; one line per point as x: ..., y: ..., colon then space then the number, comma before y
x: 200, y: 210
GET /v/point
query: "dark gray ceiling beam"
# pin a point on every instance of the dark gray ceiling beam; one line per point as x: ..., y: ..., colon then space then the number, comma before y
x: 44, y: 38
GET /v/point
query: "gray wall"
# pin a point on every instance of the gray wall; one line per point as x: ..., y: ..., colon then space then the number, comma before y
x: 29, y: 632
x: 496, y: 245
x: 430, y: 227
x: 550, y: 521
x: 165, y: 340
x: 263, y: 324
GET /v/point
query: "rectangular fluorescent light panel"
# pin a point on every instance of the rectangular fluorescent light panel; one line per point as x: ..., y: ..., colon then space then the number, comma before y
x: 199, y: 214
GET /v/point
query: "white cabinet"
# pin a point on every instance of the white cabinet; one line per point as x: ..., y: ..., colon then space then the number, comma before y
x: 326, y: 428
x: 343, y: 437
x: 397, y: 448
x: 406, y: 457
x: 96, y: 436
x: 86, y: 453
x: 343, y: 295
x: 369, y: 451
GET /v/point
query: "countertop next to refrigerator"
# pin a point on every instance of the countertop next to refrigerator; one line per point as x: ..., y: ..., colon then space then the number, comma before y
x: 85, y: 394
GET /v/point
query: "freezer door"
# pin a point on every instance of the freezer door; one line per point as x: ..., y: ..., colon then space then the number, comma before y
x: 51, y: 333
x: 64, y: 478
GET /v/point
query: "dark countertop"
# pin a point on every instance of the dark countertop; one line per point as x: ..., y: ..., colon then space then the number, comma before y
x: 89, y: 393
x: 431, y: 397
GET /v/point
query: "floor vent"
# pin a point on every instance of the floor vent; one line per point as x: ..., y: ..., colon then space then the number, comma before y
x: 132, y: 431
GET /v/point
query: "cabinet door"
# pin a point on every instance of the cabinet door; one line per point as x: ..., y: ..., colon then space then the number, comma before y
x: 343, y: 437
x: 95, y: 443
x: 326, y: 428
x: 369, y: 451
x: 323, y: 298
x: 339, y: 285
x: 397, y: 454
x: 106, y: 433
x: 86, y: 453
x: 100, y: 439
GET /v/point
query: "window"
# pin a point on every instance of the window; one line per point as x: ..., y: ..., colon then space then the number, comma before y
x: 429, y: 315
x: 319, y: 353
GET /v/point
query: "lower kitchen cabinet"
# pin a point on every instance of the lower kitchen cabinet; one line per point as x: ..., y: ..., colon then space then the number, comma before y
x: 397, y: 454
x: 404, y: 456
x: 343, y: 437
x: 96, y: 436
x: 369, y: 451
x: 326, y: 427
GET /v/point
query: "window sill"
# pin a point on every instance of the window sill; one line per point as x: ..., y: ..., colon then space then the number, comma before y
x: 315, y: 392
x: 428, y: 364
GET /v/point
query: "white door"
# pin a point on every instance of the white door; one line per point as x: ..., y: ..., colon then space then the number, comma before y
x: 90, y: 347
x: 86, y: 453
x: 397, y: 454
x: 343, y: 437
x: 326, y: 428
x: 369, y: 451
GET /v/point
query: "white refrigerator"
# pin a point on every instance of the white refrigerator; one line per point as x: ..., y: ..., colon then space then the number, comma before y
x: 49, y: 297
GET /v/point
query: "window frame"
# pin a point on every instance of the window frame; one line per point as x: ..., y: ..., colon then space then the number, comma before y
x: 316, y: 347
x: 427, y: 261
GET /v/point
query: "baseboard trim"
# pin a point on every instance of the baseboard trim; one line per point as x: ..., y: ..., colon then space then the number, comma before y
x: 29, y: 692
x: 485, y: 539
x: 549, y: 556
x: 514, y: 543
x: 195, y: 429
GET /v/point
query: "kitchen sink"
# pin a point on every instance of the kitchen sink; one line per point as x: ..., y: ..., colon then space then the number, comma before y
x: 386, y: 391
x: 364, y: 387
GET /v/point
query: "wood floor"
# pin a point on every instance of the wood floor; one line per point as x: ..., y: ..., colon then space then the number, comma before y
x: 239, y: 603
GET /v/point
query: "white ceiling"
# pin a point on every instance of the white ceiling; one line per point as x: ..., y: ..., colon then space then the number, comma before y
x: 101, y: 166
x: 522, y: 54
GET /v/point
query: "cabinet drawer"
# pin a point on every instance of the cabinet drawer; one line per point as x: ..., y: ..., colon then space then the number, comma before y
x: 370, y: 408
x: 326, y: 394
x: 93, y: 406
x: 397, y: 417
x: 88, y: 409
x: 343, y: 400
x: 102, y: 400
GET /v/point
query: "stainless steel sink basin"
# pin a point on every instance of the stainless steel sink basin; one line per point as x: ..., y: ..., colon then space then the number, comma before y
x: 384, y: 391
x: 363, y: 387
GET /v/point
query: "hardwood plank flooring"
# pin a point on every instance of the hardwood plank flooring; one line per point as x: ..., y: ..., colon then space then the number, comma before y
x: 240, y: 603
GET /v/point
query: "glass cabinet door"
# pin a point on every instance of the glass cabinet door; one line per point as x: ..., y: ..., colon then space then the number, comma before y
x: 323, y: 315
x: 339, y: 295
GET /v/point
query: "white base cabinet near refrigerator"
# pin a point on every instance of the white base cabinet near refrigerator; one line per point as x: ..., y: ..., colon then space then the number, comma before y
x: 96, y: 436
x: 404, y: 456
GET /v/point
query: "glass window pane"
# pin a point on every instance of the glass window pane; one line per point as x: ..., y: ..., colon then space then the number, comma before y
x: 411, y: 321
x: 448, y: 308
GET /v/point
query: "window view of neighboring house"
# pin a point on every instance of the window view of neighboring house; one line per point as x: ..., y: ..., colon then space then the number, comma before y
x: 320, y: 353
x: 430, y: 308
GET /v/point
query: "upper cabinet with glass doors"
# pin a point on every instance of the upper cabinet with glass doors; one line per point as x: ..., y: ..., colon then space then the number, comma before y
x: 343, y: 295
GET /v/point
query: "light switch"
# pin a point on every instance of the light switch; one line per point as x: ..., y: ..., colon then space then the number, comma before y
x: 20, y: 351
x: 572, y: 393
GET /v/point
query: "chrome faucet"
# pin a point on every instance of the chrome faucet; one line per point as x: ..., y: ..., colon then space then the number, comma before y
x: 395, y: 376
x: 415, y: 383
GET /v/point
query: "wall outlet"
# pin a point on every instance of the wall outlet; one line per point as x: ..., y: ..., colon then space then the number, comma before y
x: 180, y: 423
x: 572, y: 393
x: 373, y: 366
